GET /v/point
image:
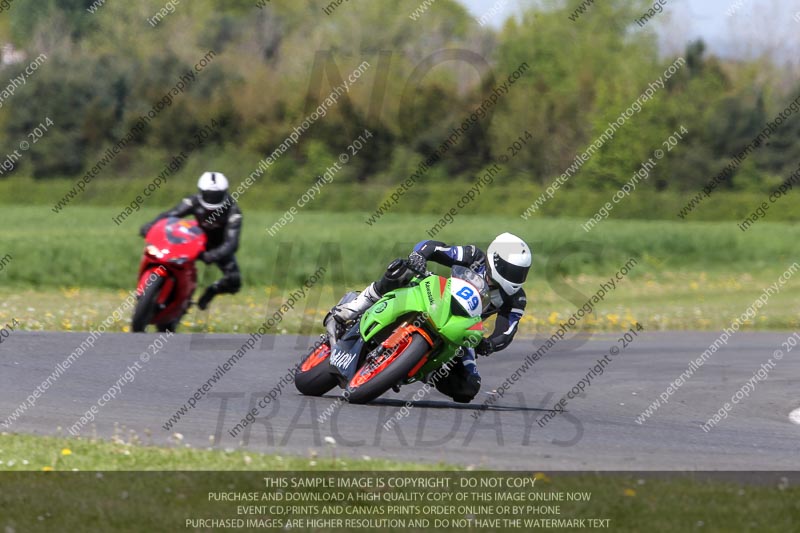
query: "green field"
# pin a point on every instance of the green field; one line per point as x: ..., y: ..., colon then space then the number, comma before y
x: 69, y: 271
x: 509, y: 194
x: 82, y: 247
x: 169, y: 494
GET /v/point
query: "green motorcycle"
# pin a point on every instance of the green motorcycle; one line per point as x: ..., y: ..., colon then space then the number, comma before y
x: 405, y: 336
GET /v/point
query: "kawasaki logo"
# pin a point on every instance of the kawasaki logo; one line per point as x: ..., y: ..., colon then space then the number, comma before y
x: 429, y: 292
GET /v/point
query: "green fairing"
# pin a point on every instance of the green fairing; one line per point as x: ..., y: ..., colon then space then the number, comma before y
x: 424, y: 296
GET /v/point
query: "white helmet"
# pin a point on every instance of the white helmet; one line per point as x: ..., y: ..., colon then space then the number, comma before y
x: 509, y: 260
x: 213, y: 189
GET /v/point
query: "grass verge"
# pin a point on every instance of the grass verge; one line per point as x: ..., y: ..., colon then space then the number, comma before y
x: 668, y: 301
x: 131, y: 452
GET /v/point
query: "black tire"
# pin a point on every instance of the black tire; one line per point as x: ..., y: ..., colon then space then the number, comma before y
x: 169, y: 326
x: 317, y: 380
x: 391, y: 375
x: 146, y: 306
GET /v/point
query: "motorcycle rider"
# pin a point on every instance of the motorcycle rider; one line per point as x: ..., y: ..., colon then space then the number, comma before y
x: 505, y: 269
x: 219, y: 216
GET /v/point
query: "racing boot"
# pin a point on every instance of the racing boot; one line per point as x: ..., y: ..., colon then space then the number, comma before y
x: 207, y: 296
x: 348, y: 308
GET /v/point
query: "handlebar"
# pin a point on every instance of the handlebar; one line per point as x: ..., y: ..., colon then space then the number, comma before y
x: 423, y: 274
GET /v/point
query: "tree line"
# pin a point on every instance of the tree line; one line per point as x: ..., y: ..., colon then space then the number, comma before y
x: 275, y: 62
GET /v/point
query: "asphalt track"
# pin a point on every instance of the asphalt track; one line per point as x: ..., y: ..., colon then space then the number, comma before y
x: 598, y: 432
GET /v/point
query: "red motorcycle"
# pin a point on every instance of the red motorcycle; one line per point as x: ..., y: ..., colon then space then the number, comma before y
x: 167, y: 274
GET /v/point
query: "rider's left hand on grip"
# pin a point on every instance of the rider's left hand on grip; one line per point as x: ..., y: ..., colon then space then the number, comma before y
x: 417, y: 263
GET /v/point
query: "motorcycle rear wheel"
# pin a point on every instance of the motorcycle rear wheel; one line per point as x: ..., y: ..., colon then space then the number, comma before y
x: 314, y: 377
x: 146, y: 306
x: 387, y: 375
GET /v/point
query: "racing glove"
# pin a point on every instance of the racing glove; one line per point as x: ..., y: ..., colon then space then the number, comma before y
x: 417, y: 262
x: 144, y: 229
x: 474, y: 256
x: 484, y: 348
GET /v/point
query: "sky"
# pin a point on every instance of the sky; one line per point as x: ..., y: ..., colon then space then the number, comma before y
x: 756, y: 26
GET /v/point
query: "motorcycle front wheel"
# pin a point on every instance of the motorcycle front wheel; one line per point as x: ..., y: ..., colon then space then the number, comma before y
x: 391, y: 366
x: 146, y: 306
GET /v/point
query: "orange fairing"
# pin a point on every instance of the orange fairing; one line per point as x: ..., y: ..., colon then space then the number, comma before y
x: 403, y: 333
x: 316, y: 357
